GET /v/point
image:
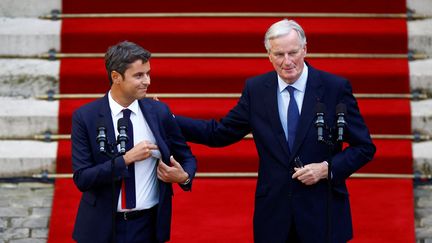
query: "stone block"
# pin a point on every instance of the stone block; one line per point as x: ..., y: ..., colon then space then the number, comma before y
x: 24, y: 158
x: 17, y: 233
x: 426, y: 221
x: 29, y: 222
x: 425, y: 202
x: 41, y: 212
x: 420, y: 6
x: 48, y: 201
x: 420, y: 36
x: 28, y: 77
x: 421, y: 75
x: 39, y: 233
x: 422, y: 155
x: 3, y: 223
x: 4, y: 201
x: 13, y: 212
x: 422, y: 212
x: 28, y: 240
x: 28, y: 36
x: 24, y: 118
x: 27, y: 201
x: 28, y: 8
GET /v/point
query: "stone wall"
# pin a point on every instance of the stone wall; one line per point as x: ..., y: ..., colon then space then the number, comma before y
x: 25, y: 209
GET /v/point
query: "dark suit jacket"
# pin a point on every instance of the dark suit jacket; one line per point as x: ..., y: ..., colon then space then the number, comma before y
x: 280, y: 200
x: 92, y: 170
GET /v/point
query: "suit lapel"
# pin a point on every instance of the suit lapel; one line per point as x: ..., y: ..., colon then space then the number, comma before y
x: 271, y: 103
x: 152, y: 121
x: 313, y: 94
x: 106, y: 118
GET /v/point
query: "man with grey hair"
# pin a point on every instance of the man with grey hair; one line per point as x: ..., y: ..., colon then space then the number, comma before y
x: 294, y: 199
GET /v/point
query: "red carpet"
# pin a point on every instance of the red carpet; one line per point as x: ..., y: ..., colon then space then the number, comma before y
x: 239, y: 34
x: 220, y: 210
x: 148, y: 6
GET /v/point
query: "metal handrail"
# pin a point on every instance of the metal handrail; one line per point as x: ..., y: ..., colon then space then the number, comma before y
x: 255, y: 175
x: 53, y: 55
x: 48, y: 137
x: 55, y: 15
x: 416, y: 96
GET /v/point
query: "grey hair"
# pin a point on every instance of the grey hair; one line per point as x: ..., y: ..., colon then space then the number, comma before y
x: 282, y: 28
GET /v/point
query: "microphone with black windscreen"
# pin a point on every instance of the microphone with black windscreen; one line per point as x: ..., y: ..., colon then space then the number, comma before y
x: 319, y: 123
x: 341, y: 110
x: 122, y: 138
x: 101, y: 137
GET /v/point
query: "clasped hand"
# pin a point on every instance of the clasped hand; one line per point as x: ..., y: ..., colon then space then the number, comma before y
x: 311, y: 173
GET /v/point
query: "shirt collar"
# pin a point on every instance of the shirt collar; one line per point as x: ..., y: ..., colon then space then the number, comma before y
x: 299, y: 84
x: 116, y: 108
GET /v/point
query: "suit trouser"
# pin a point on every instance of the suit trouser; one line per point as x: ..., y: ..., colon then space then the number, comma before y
x: 141, y: 229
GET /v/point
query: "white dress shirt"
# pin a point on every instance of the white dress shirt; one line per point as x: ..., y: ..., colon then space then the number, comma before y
x: 146, y: 183
x: 284, y: 97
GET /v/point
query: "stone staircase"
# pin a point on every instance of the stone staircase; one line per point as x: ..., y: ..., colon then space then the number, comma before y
x: 23, y: 116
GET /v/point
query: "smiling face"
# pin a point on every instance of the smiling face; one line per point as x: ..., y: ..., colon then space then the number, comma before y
x: 132, y: 85
x: 287, y: 56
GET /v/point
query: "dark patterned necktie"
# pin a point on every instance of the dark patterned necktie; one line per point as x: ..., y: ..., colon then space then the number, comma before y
x: 128, y: 185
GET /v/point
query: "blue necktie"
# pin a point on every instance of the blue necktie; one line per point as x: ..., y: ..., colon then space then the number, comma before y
x: 129, y: 182
x: 292, y: 117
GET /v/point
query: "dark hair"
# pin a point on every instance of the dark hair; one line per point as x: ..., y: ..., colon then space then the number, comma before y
x: 119, y: 57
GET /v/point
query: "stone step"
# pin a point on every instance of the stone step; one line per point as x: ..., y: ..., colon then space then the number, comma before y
x: 24, y: 158
x: 422, y: 154
x: 33, y: 8
x: 421, y: 75
x: 420, y: 6
x: 421, y: 116
x: 33, y: 77
x: 27, y: 117
x: 28, y: 8
x: 420, y: 36
x: 28, y: 77
x: 28, y: 36
x: 31, y: 36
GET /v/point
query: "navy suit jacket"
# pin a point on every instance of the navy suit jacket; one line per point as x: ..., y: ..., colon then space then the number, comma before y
x: 280, y: 200
x: 92, y: 170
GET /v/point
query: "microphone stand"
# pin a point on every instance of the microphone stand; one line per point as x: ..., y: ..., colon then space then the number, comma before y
x: 112, y: 154
x: 330, y: 142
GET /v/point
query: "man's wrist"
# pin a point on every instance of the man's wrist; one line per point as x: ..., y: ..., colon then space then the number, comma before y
x: 326, y: 164
x: 127, y: 159
x: 185, y: 182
